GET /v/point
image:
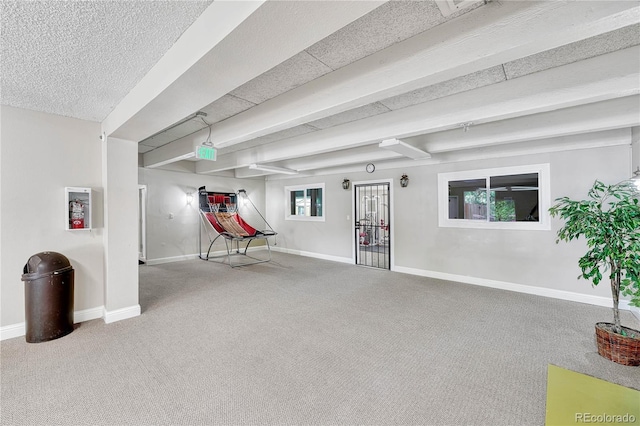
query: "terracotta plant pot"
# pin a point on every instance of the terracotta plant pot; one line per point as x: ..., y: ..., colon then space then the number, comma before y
x: 624, y: 350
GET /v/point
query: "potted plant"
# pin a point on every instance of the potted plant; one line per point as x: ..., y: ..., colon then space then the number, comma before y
x: 609, y: 220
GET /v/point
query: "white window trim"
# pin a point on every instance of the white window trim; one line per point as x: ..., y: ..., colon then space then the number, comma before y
x: 287, y: 201
x: 544, y: 194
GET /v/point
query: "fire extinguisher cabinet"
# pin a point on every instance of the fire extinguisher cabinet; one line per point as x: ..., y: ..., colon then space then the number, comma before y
x: 78, y: 208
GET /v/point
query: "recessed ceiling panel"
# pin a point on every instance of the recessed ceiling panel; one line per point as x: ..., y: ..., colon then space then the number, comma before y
x: 290, y: 74
x: 388, y: 24
x: 284, y: 134
x: 584, y: 49
x: 175, y: 133
x: 446, y: 88
x: 359, y: 155
x: 145, y: 148
x: 272, y: 137
x: 225, y: 107
x: 351, y: 115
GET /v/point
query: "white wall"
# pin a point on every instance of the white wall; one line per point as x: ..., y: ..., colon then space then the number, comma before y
x: 172, y: 225
x: 41, y: 154
x: 332, y: 237
x: 523, y: 258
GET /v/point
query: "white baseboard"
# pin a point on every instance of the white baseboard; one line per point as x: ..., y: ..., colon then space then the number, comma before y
x: 88, y: 314
x: 162, y: 260
x: 20, y: 329
x: 312, y: 254
x: 520, y: 288
x: 171, y: 259
x: 13, y: 330
x: 121, y: 314
x: 502, y: 285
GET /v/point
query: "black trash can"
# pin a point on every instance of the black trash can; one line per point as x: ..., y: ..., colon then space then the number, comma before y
x: 48, y: 293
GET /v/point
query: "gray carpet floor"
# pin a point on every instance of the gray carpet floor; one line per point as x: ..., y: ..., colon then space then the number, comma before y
x: 306, y: 341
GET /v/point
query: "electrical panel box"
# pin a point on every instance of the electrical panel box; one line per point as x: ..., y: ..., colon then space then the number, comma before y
x: 78, y: 208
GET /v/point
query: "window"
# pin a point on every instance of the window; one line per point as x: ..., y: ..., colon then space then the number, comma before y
x: 305, y: 202
x: 505, y: 198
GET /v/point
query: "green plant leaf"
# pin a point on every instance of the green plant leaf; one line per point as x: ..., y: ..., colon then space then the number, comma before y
x: 609, y: 220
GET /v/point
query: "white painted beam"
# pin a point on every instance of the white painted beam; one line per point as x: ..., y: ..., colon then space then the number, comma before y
x: 303, y: 164
x: 230, y: 44
x: 562, y: 143
x: 342, y: 158
x: 556, y: 144
x: 593, y: 80
x: 181, y: 149
x: 211, y: 27
x: 491, y: 35
x: 599, y: 116
x: 272, y: 169
x: 245, y: 172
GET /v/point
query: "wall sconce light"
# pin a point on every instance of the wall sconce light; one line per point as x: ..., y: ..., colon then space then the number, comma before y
x: 243, y: 198
x: 346, y: 184
x: 404, y: 181
x: 189, y: 198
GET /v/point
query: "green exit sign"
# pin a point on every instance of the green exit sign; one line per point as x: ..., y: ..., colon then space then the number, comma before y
x: 204, y: 152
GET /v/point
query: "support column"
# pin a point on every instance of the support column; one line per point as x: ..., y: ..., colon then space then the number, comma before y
x: 635, y: 149
x: 120, y: 182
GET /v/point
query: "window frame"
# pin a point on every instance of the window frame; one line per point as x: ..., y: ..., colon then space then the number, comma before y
x: 544, y: 198
x: 287, y: 201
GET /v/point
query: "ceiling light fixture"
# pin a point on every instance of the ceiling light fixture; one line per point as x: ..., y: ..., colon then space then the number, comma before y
x: 403, y: 148
x: 273, y: 169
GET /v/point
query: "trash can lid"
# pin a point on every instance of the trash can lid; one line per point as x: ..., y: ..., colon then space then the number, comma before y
x: 45, y: 263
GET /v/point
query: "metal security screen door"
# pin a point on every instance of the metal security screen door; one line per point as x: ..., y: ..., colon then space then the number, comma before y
x: 372, y: 213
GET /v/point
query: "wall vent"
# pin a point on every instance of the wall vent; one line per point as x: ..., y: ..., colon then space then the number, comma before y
x: 449, y: 7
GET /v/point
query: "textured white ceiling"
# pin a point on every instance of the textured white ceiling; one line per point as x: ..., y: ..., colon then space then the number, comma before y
x: 388, y: 24
x: 80, y: 58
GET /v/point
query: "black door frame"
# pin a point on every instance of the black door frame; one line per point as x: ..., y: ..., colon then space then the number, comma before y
x: 374, y: 235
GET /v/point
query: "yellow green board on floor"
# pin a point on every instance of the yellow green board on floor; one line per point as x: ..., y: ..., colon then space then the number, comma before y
x: 576, y: 399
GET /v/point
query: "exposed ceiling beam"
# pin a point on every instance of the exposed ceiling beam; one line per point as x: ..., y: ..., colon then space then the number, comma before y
x: 211, y: 27
x: 489, y: 36
x: 345, y: 157
x: 181, y: 149
x: 595, y: 117
x: 561, y: 143
x: 593, y: 80
x: 273, y: 169
x: 205, y: 64
x: 556, y: 144
x: 340, y: 158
